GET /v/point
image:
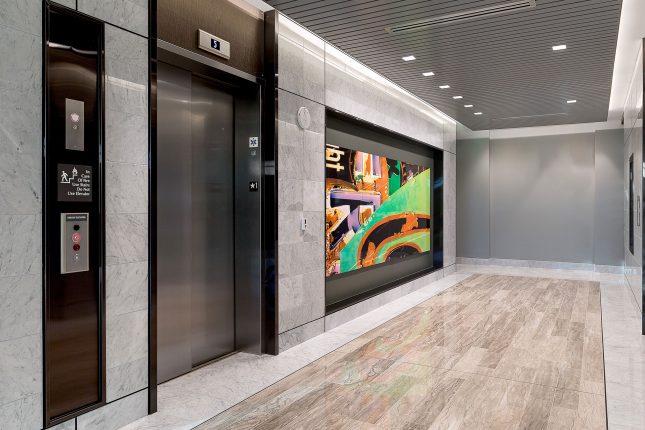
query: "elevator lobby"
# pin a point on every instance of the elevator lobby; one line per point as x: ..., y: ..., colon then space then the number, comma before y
x: 322, y: 214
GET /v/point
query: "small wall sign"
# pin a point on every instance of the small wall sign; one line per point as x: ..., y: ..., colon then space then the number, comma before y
x: 74, y: 183
x: 213, y: 44
x: 254, y: 186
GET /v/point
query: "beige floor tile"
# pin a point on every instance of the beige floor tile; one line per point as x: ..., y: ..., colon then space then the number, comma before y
x: 494, y: 352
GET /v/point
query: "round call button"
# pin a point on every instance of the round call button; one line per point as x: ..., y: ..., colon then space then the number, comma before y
x: 76, y: 237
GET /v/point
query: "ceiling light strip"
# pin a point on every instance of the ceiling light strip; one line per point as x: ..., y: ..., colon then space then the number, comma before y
x: 466, y: 15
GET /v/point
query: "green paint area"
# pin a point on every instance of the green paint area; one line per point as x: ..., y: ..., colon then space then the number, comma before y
x: 394, y: 181
x: 414, y: 197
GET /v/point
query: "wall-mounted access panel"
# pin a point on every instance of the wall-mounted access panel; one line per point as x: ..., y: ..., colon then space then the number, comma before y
x: 74, y: 329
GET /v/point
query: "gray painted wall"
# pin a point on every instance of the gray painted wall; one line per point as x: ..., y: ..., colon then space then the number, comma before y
x: 608, y: 213
x: 126, y: 175
x: 316, y: 75
x: 542, y: 191
x: 473, y: 198
x: 549, y: 198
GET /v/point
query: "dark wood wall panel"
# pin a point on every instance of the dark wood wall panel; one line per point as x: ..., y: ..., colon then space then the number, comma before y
x: 179, y: 20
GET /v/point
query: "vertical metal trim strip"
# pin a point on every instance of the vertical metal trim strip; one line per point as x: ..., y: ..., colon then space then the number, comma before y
x: 152, y: 206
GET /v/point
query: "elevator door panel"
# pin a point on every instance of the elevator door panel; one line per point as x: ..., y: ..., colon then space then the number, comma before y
x: 174, y: 221
x: 213, y: 295
x: 195, y: 222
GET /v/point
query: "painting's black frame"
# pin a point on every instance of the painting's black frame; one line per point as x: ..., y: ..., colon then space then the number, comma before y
x: 412, y: 145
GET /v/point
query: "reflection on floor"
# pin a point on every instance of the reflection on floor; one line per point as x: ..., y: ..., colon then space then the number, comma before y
x: 190, y: 400
x: 492, y: 352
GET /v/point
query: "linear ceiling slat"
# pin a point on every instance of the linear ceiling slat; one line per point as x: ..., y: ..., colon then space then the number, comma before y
x: 502, y: 64
x: 376, y: 25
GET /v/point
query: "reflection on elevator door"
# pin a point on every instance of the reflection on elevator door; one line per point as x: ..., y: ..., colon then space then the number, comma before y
x: 195, y: 222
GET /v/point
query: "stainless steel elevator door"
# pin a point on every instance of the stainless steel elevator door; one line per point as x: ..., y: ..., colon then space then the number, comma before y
x: 212, y: 287
x: 195, y: 222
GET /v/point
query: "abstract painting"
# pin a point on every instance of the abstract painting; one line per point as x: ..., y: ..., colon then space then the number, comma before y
x: 377, y: 209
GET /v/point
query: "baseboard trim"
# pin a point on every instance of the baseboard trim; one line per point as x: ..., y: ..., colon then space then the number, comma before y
x: 555, y: 265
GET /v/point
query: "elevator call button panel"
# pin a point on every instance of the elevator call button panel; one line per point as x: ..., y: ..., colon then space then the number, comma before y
x: 74, y: 242
x: 74, y: 125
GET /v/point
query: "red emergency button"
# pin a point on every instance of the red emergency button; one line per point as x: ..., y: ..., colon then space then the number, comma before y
x: 76, y: 237
x: 77, y: 247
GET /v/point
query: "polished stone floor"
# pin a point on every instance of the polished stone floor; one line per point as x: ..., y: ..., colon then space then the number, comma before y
x: 496, y: 352
x: 186, y: 402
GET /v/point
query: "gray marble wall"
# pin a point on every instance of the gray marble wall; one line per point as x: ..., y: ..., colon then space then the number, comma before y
x: 633, y: 133
x: 126, y: 171
x: 126, y: 204
x: 20, y: 214
x: 315, y: 75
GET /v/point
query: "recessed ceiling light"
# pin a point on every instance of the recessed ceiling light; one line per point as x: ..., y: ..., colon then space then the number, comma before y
x: 479, y: 113
x: 444, y: 87
x: 468, y: 106
x: 428, y: 74
x: 559, y: 47
x: 572, y: 101
x: 457, y: 97
x: 409, y: 58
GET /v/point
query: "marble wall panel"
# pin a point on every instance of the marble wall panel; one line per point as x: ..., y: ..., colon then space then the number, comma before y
x: 20, y: 369
x: 449, y: 208
x: 300, y: 195
x: 20, y: 113
x: 301, y: 297
x: 67, y: 3
x: 24, y: 414
x: 116, y: 414
x: 301, y: 61
x: 126, y: 353
x: 312, y: 71
x: 450, y: 137
x: 20, y: 306
x: 633, y: 134
x: 22, y: 15
x: 352, y: 88
x: 129, y: 14
x: 67, y: 425
x: 126, y: 199
x: 126, y: 238
x: 301, y: 334
x: 20, y: 214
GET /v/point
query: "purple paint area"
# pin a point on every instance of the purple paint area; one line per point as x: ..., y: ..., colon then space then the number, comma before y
x: 353, y: 199
x: 352, y: 220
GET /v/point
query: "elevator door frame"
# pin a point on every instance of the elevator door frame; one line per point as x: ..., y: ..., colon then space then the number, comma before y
x: 247, y: 91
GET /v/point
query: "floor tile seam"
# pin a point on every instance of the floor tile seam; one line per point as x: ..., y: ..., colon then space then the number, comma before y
x: 496, y: 377
x: 551, y: 405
